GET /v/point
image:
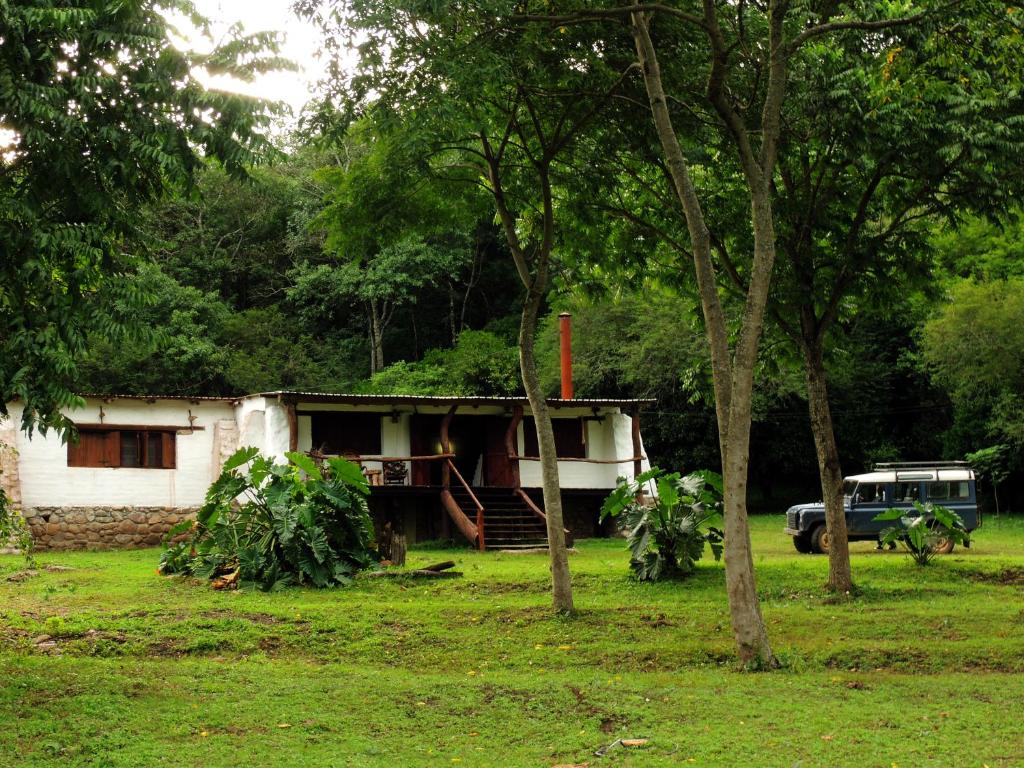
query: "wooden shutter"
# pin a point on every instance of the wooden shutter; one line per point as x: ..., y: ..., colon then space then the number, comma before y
x: 111, y: 449
x: 569, y: 443
x: 95, y: 448
x: 77, y: 451
x: 167, y: 455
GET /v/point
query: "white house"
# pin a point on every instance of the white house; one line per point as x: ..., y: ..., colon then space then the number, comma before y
x: 437, y: 465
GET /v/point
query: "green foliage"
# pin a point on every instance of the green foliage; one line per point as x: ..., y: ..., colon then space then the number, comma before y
x: 667, y: 534
x: 13, y: 530
x: 933, y: 530
x: 201, y: 345
x: 980, y: 248
x: 480, y: 363
x: 995, y: 463
x: 238, y: 238
x: 295, y: 523
x: 100, y: 114
x: 972, y: 347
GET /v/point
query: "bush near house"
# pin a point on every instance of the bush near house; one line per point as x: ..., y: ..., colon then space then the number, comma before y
x: 667, y: 534
x: 295, y: 523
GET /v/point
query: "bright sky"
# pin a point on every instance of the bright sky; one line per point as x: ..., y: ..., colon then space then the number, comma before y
x: 301, y: 45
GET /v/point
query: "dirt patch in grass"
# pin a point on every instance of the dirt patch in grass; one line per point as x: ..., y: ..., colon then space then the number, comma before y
x: 265, y: 619
x: 492, y: 693
x: 510, y: 588
x: 1010, y: 577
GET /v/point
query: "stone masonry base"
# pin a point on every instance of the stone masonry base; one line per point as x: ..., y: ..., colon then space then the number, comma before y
x: 101, y: 527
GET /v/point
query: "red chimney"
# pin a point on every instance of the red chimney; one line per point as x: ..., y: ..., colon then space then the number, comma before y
x: 565, y: 324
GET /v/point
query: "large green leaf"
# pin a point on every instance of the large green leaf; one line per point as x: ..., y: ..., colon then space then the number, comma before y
x: 306, y: 464
x: 350, y: 474
x: 240, y: 457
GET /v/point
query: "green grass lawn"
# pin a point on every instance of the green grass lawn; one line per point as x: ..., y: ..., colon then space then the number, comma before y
x: 923, y: 668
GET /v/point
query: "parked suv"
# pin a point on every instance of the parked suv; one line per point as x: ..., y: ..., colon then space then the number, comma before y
x: 948, y: 484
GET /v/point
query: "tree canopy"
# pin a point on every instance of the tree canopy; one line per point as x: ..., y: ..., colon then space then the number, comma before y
x: 102, y: 113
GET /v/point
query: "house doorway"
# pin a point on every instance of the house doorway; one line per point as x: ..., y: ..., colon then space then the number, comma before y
x: 478, y: 443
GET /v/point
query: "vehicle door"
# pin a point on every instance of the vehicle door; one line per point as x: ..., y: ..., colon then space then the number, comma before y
x: 869, y: 500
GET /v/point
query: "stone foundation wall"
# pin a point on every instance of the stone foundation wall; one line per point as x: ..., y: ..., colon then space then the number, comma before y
x: 101, y: 527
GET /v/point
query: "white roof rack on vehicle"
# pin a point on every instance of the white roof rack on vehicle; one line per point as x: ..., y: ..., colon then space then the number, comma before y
x: 901, y: 471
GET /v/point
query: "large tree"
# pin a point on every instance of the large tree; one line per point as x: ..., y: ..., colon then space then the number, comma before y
x: 500, y: 109
x: 99, y: 114
x: 392, y: 229
x: 936, y: 120
x: 745, y: 53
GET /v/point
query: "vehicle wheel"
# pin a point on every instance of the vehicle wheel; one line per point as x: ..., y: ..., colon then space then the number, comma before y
x: 802, y: 543
x: 943, y: 546
x: 820, y: 540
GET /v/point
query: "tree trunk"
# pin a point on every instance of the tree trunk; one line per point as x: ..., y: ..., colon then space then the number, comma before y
x: 733, y: 380
x: 376, y: 339
x: 839, y: 574
x: 533, y: 272
x: 561, y: 582
x: 744, y: 607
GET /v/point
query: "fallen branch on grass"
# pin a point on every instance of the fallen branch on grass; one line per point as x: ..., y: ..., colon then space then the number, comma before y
x: 435, y: 571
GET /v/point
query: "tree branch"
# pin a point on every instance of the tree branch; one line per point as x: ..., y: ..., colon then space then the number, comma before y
x: 599, y: 14
x: 837, y: 26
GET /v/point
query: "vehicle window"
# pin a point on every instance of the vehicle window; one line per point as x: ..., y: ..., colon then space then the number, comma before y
x: 907, y: 491
x: 870, y: 493
x: 961, y: 490
x: 849, y: 486
x: 946, y: 491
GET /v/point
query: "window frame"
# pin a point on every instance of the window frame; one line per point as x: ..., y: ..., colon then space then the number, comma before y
x: 563, y: 428
x: 101, y: 446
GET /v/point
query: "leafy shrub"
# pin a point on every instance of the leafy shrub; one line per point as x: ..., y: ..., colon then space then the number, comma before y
x: 13, y: 530
x: 277, y: 524
x: 933, y: 530
x: 667, y: 535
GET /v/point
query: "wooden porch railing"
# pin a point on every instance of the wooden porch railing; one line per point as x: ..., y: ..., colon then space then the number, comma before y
x: 476, y: 502
x: 361, y: 459
x: 624, y: 460
x: 538, y: 512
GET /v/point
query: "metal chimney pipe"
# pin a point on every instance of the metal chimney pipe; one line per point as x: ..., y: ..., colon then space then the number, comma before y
x: 565, y: 326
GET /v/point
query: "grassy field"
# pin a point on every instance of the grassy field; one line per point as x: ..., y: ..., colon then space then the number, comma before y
x: 923, y: 668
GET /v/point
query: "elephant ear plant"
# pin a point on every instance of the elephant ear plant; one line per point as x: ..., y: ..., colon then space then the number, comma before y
x: 667, y: 534
x: 928, y: 531
x: 275, y: 524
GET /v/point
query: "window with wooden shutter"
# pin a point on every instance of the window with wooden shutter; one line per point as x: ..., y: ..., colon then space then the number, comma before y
x: 138, y: 448
x: 569, y: 438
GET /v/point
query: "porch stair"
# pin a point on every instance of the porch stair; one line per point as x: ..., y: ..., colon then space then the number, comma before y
x: 509, y: 523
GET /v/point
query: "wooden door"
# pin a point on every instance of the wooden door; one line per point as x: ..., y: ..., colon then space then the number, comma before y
x: 498, y: 470
x: 423, y: 438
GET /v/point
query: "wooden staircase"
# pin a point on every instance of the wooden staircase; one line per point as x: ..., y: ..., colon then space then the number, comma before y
x: 509, y: 522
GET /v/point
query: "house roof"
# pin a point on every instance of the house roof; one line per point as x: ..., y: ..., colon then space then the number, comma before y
x: 364, y: 399
x: 351, y: 399
x: 189, y: 398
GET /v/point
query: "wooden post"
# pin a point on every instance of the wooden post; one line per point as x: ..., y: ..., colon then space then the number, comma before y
x: 637, y: 447
x: 293, y: 425
x: 446, y: 446
x: 511, y: 444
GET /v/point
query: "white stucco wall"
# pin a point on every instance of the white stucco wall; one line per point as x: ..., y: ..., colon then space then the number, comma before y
x: 250, y: 415
x: 610, y: 437
x: 277, y: 431
x: 48, y: 481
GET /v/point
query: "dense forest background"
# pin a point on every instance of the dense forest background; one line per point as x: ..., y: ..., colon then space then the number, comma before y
x: 249, y: 286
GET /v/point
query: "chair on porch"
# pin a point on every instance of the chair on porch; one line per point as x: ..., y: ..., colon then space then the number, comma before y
x: 395, y: 472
